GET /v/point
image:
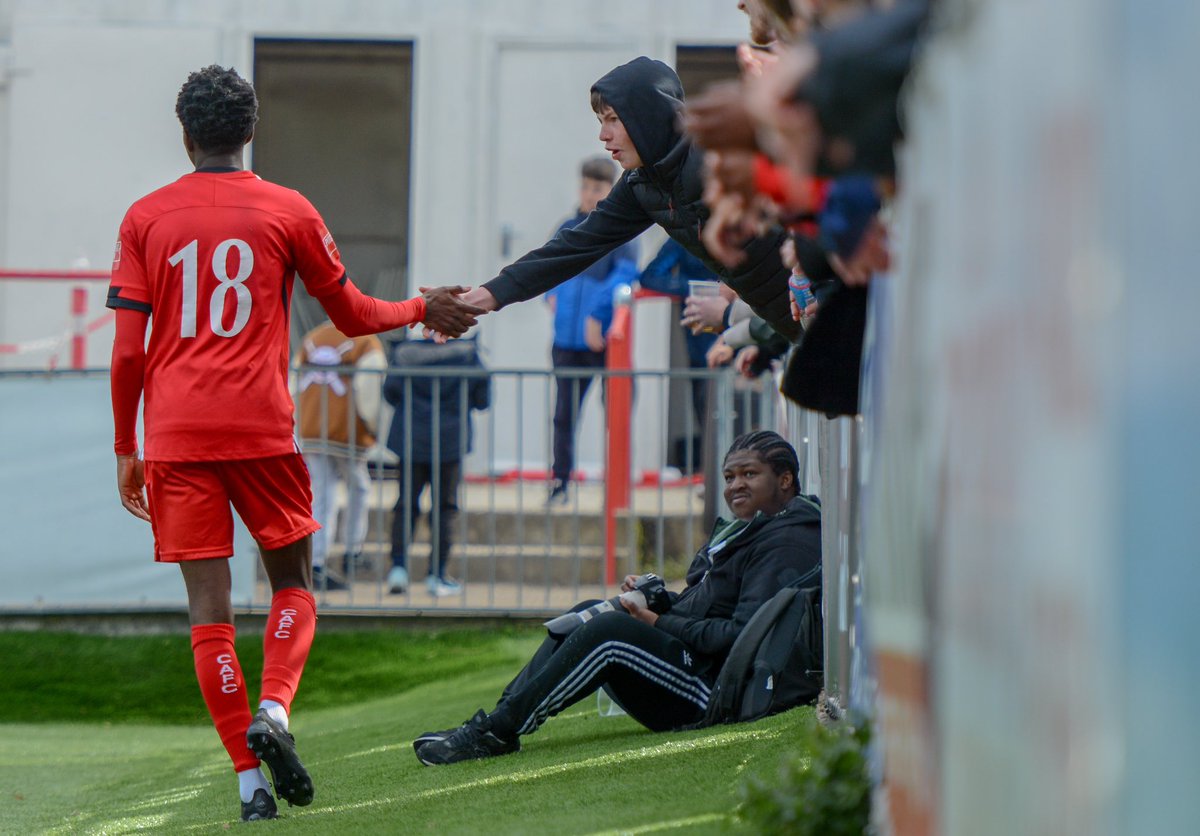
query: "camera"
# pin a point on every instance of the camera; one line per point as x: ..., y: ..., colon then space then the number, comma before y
x: 649, y: 592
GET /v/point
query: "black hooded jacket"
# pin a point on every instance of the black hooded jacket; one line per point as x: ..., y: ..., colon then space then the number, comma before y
x: 728, y: 582
x: 647, y: 96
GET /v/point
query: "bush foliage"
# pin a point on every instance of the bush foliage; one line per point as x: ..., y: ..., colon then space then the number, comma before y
x: 821, y: 788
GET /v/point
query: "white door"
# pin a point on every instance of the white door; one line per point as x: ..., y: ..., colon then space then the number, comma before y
x: 543, y: 127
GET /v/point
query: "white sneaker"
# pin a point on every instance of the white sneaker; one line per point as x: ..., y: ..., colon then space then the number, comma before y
x: 397, y: 580
x: 442, y: 587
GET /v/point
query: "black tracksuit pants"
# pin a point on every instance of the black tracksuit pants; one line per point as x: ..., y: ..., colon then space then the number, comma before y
x: 649, y: 673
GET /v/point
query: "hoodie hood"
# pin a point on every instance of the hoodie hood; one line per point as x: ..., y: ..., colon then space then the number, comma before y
x: 647, y: 95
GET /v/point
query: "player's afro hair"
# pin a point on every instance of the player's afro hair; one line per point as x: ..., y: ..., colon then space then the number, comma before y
x: 773, y: 449
x: 218, y: 108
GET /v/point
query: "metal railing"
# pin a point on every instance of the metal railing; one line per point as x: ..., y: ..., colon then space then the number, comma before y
x: 511, y: 551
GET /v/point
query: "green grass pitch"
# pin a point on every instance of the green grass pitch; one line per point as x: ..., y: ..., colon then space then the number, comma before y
x: 109, y: 736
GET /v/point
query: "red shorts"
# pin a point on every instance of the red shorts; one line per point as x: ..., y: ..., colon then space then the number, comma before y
x: 189, y: 505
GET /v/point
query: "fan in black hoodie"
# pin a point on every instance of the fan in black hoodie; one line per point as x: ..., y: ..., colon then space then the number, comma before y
x: 665, y: 189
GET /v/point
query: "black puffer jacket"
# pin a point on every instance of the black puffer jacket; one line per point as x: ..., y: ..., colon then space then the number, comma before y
x: 647, y: 96
x: 728, y: 582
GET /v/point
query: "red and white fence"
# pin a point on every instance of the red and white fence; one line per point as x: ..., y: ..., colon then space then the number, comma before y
x: 77, y: 322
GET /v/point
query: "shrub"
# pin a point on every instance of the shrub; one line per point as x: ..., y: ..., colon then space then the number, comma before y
x: 827, y: 793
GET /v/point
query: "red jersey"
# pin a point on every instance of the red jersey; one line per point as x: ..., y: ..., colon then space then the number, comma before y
x: 211, y: 257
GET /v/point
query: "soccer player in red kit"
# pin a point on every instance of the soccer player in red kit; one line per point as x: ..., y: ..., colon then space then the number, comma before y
x: 212, y: 258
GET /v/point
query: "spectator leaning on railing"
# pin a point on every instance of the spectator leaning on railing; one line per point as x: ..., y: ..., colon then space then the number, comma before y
x: 638, y: 106
x: 825, y: 104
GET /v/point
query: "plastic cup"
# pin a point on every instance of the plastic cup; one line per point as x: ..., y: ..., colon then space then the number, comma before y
x: 606, y: 706
x: 702, y: 287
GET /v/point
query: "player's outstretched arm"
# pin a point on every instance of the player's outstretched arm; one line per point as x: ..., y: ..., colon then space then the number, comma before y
x: 447, y: 313
x: 355, y: 314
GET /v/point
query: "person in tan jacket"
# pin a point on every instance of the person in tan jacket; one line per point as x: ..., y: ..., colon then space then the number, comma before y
x: 338, y: 399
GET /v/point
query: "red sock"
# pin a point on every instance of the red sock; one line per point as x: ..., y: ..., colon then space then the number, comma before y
x: 224, y: 689
x: 286, y: 642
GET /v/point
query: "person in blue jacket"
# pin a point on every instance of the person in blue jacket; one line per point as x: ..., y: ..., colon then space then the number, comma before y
x: 583, y: 313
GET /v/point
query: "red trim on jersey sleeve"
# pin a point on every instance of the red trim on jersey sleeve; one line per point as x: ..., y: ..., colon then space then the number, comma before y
x: 127, y: 378
x: 356, y: 314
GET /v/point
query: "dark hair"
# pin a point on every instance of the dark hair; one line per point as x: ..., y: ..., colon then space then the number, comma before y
x: 599, y: 168
x: 773, y: 449
x: 598, y: 102
x: 217, y: 108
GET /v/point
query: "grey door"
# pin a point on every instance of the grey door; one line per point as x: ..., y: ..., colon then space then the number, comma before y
x: 336, y: 124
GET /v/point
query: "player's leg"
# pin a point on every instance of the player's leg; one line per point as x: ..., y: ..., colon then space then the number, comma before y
x: 273, y: 498
x: 219, y: 674
x: 290, y: 628
x: 287, y: 640
x: 291, y: 623
x: 193, y: 527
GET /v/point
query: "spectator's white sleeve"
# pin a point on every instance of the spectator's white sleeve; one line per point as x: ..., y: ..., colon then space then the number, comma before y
x: 738, y: 335
x: 740, y: 312
x: 368, y: 388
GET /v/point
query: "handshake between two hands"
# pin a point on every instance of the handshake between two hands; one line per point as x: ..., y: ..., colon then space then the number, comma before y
x: 450, y: 311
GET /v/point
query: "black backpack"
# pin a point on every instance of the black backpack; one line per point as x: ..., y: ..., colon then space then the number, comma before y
x: 778, y: 660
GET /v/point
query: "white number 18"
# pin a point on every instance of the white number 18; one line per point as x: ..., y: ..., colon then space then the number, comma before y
x: 216, y: 304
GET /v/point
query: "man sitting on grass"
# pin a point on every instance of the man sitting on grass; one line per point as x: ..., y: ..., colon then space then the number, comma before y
x: 660, y: 668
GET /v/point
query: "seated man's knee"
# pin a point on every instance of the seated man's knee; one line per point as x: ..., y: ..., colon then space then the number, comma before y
x: 607, y: 625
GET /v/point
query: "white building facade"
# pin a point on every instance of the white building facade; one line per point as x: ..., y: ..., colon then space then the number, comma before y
x: 440, y: 140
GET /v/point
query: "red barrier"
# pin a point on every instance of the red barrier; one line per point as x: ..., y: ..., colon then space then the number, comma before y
x: 80, y: 327
x: 620, y: 412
